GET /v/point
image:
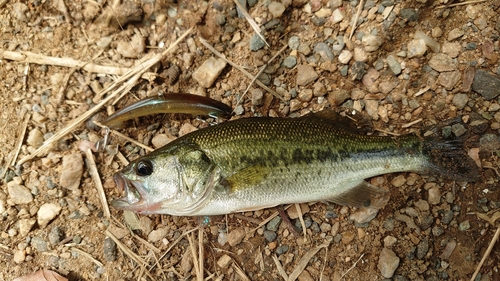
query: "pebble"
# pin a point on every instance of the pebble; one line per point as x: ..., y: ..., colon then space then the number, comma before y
x: 319, y: 89
x: 338, y: 97
x: 398, y: 181
x: 449, y: 79
x: 305, y: 95
x: 109, y: 249
x: 132, y: 48
x: 236, y: 236
x: 345, y: 56
x: 394, y: 64
x: 422, y: 248
x: 46, y: 213
x: 422, y: 205
x: 273, y: 224
x: 276, y: 9
x: 257, y: 97
x: 220, y: 19
x: 486, y: 84
x: 460, y: 100
x: 388, y: 262
x: 324, y: 51
x: 281, y: 250
x: 25, y: 226
x: 290, y: 62
x: 371, y: 107
x: 489, y: 142
x: 72, y: 171
x: 158, y: 234
x: 363, y: 215
x: 452, y: 49
x: 337, y: 16
x: 256, y: 43
x: 55, y: 235
x: 463, y: 226
x: 416, y: 48
x: 39, y: 244
x: 458, y: 129
x: 35, y: 138
x: 455, y: 33
x: 371, y: 42
x: 104, y: 42
x: 409, y: 14
x: 160, y: 140
x: 294, y: 42
x: 206, y: 74
x: 360, y: 55
x: 389, y: 241
x: 425, y: 221
x: 19, y: 256
x: 20, y: 11
x: 437, y: 231
x: 306, y: 75
x: 270, y: 236
x: 447, y: 217
x: 18, y: 194
x: 323, y: 13
x: 442, y: 62
x: 429, y: 41
x: 434, y: 194
x: 295, y: 105
x: 224, y: 261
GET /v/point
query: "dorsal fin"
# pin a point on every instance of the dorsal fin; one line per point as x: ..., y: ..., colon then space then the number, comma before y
x: 348, y: 119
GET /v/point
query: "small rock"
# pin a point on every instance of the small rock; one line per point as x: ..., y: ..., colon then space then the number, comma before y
x: 409, y: 14
x: 236, y: 236
x: 273, y: 224
x: 434, y: 195
x: 460, y: 100
x: 20, y: 11
x: 55, y: 235
x: 295, y: 105
x: 486, y: 84
x: 220, y: 19
x: 294, y: 42
x: 447, y: 217
x: 463, y: 226
x: 46, y: 213
x: 35, y: 138
x: 449, y: 79
x: 371, y: 42
x: 160, y: 140
x: 25, y: 226
x: 18, y: 194
x: 416, y: 48
x: 345, y: 56
x: 281, y: 250
x: 388, y: 262
x: 338, y: 97
x: 104, y: 42
x: 360, y: 55
x: 19, y: 256
x: 132, y: 48
x: 306, y: 75
x: 224, y: 261
x: 109, y: 249
x: 458, y: 129
x: 371, y: 107
x: 270, y: 236
x: 319, y: 89
x: 257, y: 97
x: 363, y: 215
x: 386, y: 87
x: 398, y: 181
x: 276, y: 9
x: 324, y: 51
x: 422, y: 205
x: 452, y: 49
x: 158, y: 234
x: 389, y: 241
x: 394, y: 64
x: 422, y: 248
x: 239, y: 110
x: 290, y: 62
x: 455, y: 33
x: 72, y: 171
x: 206, y: 74
x: 187, y: 262
x: 337, y: 16
x: 256, y: 43
x: 305, y: 95
x: 323, y: 13
x: 442, y: 62
x: 39, y: 244
x: 425, y: 221
x: 305, y: 276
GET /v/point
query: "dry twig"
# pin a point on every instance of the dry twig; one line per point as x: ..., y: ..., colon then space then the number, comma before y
x: 250, y: 20
x: 12, y: 160
x: 97, y: 181
x: 460, y: 4
x: 305, y: 260
x: 354, y: 24
x: 486, y: 254
x: 85, y: 254
x: 353, y: 266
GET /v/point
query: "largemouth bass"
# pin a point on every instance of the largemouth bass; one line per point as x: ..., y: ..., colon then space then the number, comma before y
x: 256, y: 163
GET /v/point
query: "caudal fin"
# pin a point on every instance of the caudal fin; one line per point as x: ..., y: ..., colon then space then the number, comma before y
x: 448, y: 157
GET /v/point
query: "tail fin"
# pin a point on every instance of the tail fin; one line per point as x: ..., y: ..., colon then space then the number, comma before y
x: 447, y: 155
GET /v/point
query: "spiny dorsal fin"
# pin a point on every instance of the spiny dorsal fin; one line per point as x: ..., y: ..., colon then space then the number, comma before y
x: 363, y: 195
x: 348, y: 119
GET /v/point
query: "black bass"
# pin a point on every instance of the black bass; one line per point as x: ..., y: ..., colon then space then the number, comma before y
x: 169, y: 103
x: 256, y: 163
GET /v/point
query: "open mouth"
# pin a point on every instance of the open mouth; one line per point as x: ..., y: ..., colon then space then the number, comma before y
x: 134, y: 192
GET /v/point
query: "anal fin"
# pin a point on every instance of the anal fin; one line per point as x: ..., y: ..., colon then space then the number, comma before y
x: 363, y: 195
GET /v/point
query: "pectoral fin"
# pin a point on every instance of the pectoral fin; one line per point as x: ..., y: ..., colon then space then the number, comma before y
x: 363, y: 195
x: 246, y: 177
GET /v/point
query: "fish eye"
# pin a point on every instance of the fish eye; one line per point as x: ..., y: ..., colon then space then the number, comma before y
x: 144, y: 168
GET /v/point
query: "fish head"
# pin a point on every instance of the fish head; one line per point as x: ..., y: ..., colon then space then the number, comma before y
x: 176, y: 182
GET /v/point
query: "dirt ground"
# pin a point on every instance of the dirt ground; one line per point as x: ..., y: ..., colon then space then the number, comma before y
x: 429, y: 230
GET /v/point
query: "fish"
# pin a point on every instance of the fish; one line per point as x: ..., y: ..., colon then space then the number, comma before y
x: 255, y: 163
x: 169, y: 103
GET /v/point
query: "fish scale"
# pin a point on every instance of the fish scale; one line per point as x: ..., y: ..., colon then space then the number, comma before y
x: 255, y: 163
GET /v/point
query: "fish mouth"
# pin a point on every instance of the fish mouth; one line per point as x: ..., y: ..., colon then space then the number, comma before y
x: 134, y: 194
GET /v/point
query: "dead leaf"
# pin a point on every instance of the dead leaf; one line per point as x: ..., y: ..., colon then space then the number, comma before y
x: 41, y: 275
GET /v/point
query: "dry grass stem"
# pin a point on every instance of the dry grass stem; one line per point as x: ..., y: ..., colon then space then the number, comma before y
x: 147, y: 244
x: 114, y: 132
x: 29, y: 57
x: 387, y: 132
x: 486, y: 254
x: 301, y: 265
x: 132, y: 75
x: 281, y: 271
x: 272, y: 216
x: 250, y: 20
x: 355, y: 23
x: 324, y: 265
x: 407, y: 125
x: 240, y: 272
x: 352, y: 267
x: 247, y: 74
x: 97, y: 181
x: 196, y: 265
x: 13, y: 157
x: 301, y: 218
x: 172, y: 245
x: 85, y: 254
x: 422, y: 91
x: 460, y: 4
x: 200, y: 253
x: 122, y: 158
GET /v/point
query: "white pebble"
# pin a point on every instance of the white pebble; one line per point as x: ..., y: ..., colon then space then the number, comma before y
x: 371, y: 42
x: 345, y: 56
x: 206, y: 74
x: 46, y: 213
x: 35, y: 138
x: 276, y: 9
x: 337, y: 16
